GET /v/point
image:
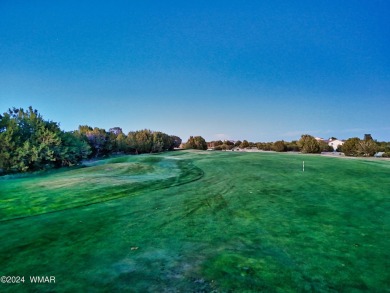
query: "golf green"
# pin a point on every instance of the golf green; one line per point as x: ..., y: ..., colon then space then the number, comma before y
x: 198, y: 221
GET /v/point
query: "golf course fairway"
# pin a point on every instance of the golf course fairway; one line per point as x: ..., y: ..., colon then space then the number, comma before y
x: 198, y: 221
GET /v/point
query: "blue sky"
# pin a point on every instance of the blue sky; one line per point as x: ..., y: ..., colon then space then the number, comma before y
x: 255, y: 70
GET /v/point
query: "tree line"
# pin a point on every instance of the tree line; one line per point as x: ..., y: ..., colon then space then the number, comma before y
x: 114, y: 141
x: 308, y: 144
x: 29, y: 143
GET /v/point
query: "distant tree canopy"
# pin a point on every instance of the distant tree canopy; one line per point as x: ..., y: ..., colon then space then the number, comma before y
x: 384, y: 147
x: 293, y: 146
x: 104, y: 143
x: 279, y: 146
x: 244, y: 144
x: 97, y: 138
x: 176, y: 142
x: 308, y: 144
x: 29, y: 143
x: 324, y: 146
x: 265, y: 146
x: 355, y: 147
x: 196, y: 142
x: 147, y: 141
x: 220, y: 145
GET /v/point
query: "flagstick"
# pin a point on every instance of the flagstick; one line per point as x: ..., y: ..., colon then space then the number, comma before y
x: 303, y: 166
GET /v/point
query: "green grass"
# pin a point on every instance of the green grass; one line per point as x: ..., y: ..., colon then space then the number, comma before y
x: 201, y: 221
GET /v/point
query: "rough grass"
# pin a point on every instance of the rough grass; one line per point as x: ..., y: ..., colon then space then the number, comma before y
x: 253, y: 222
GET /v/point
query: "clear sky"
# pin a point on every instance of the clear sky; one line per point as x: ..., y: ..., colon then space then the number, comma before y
x: 255, y: 70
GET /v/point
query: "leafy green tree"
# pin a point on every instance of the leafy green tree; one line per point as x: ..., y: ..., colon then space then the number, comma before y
x: 238, y: 143
x: 99, y: 142
x: 308, y: 144
x: 10, y: 141
x: 293, y: 146
x: 350, y: 147
x: 218, y: 142
x: 244, y: 144
x: 112, y: 139
x: 383, y: 146
x: 196, y: 142
x: 72, y: 150
x: 33, y: 142
x: 325, y: 147
x: 215, y: 143
x: 121, y: 143
x: 147, y: 141
x: 366, y: 148
x: 161, y: 142
x: 265, y: 146
x: 140, y: 141
x: 279, y: 146
x: 29, y: 143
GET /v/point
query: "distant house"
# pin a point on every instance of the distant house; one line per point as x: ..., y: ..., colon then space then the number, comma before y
x: 379, y: 154
x: 335, y: 143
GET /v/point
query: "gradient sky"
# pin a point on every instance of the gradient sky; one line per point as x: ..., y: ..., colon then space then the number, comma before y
x: 255, y: 70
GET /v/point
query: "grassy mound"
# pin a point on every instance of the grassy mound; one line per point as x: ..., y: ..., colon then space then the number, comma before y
x: 99, y: 181
x: 253, y: 222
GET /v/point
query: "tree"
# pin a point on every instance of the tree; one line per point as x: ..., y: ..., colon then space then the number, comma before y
x: 176, y: 142
x: 308, y: 144
x: 196, y: 142
x: 366, y: 148
x: 293, y: 146
x: 356, y: 147
x: 350, y: 146
x: 265, y: 146
x: 112, y: 136
x: 140, y: 141
x: 99, y: 142
x: 279, y: 146
x: 161, y: 142
x: 383, y: 146
x: 324, y: 147
x: 72, y: 150
x: 147, y: 141
x: 29, y: 143
x: 244, y: 144
x: 214, y: 143
x: 121, y: 143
